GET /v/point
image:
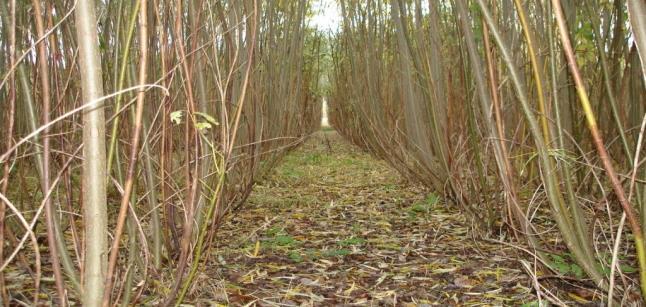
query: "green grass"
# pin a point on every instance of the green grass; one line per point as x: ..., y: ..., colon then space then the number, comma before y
x: 295, y: 256
x: 351, y: 241
x: 337, y: 252
x: 425, y: 206
x: 314, y: 254
x: 565, y: 266
x: 279, y: 238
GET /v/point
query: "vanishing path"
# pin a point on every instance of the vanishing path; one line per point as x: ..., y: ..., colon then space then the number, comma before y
x: 334, y: 226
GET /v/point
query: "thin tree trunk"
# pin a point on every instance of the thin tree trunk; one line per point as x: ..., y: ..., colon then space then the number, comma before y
x: 637, y: 15
x: 94, y: 166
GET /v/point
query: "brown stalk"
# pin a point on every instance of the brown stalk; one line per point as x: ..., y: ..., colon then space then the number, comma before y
x: 45, y: 93
x: 134, y: 152
x: 599, y: 145
x: 166, y: 148
x: 9, y: 141
x: 508, y: 175
x: 245, y: 83
x: 191, y: 177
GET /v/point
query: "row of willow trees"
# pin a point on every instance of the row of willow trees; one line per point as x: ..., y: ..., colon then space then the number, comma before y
x: 515, y: 109
x: 131, y: 128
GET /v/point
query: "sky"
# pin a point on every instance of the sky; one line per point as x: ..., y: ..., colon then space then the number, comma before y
x: 327, y: 15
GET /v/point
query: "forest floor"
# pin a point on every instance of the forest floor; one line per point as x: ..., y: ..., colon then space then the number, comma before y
x: 334, y: 226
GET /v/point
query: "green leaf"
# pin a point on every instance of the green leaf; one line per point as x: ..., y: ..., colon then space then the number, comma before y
x: 627, y: 269
x: 432, y: 199
x: 559, y: 264
x: 558, y: 258
x: 208, y: 118
x: 176, y: 117
x: 417, y: 207
x: 576, y: 270
x: 534, y: 304
x: 274, y: 230
x: 203, y: 126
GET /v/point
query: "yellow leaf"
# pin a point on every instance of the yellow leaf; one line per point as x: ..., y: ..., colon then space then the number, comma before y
x: 349, y: 291
x: 577, y: 298
x: 257, y: 249
x: 447, y: 270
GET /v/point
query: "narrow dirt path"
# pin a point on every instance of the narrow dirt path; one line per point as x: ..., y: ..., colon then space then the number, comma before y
x: 333, y: 226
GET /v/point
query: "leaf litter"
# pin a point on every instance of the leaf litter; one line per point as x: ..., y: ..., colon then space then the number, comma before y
x: 332, y: 225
